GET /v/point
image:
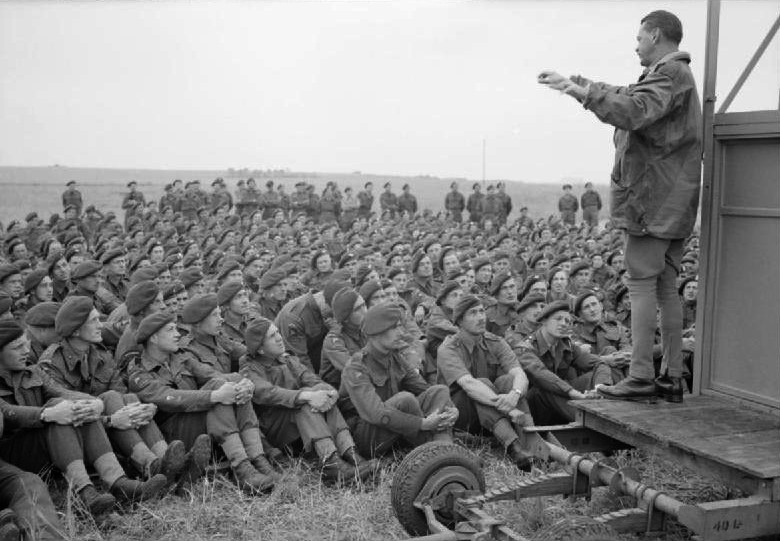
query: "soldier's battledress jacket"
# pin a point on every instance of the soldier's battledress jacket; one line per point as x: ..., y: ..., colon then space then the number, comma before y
x: 279, y: 381
x: 212, y: 357
x: 552, y: 366
x: 169, y: 385
x: 484, y: 356
x: 93, y: 372
x: 607, y: 336
x: 337, y: 349
x: 371, y: 378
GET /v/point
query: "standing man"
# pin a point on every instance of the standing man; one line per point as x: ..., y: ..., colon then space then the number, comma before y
x: 388, y: 201
x: 506, y: 203
x: 454, y: 203
x: 407, y: 202
x: 474, y: 204
x: 567, y: 205
x: 366, y: 199
x: 655, y: 190
x: 133, y: 202
x: 590, y: 201
x: 71, y: 196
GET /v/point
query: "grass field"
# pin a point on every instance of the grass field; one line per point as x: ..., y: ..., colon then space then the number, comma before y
x: 25, y: 189
x: 302, y: 508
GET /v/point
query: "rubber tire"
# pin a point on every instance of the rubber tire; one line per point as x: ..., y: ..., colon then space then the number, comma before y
x: 414, y: 472
x: 577, y: 529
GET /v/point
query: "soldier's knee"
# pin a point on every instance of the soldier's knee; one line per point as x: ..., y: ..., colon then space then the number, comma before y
x: 405, y: 400
x: 488, y: 383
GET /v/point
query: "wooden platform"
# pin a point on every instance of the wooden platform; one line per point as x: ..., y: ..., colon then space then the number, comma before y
x: 733, y: 443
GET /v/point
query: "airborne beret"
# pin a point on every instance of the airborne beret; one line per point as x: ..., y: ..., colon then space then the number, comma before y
x: 362, y: 271
x: 10, y: 330
x: 343, y: 303
x: 272, y: 277
x: 190, y: 276
x: 686, y: 281
x: 498, y: 281
x: 229, y: 290
x: 110, y: 255
x: 140, y: 296
x: 577, y: 307
x: 418, y: 256
x: 528, y: 301
x: 151, y: 324
x: 332, y: 286
x: 33, y: 279
x: 7, y: 270
x: 227, y: 267
x: 553, y: 307
x: 479, y: 262
x: 198, y: 308
x: 465, y: 303
x: 72, y: 315
x: 368, y: 289
x: 447, y: 287
x: 42, y: 314
x: 381, y: 318
x: 144, y: 274
x: 85, y: 269
x: 577, y: 267
x: 6, y: 302
x: 254, y: 336
x: 173, y: 289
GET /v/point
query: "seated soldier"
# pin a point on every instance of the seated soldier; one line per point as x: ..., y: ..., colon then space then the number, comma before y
x: 186, y: 412
x: 47, y: 424
x: 501, y: 309
x: 39, y: 321
x: 440, y: 326
x: 78, y: 362
x: 233, y: 299
x: 558, y: 369
x: 528, y: 311
x: 601, y: 335
x: 294, y: 404
x: 388, y: 399
x: 486, y: 382
x: 345, y: 339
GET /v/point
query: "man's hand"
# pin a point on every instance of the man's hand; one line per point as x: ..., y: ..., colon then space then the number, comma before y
x: 122, y: 419
x: 61, y: 413
x: 87, y: 411
x: 142, y: 414
x: 506, y: 402
x: 437, y: 421
x: 226, y: 394
x: 245, y: 389
x: 563, y: 84
x: 319, y: 400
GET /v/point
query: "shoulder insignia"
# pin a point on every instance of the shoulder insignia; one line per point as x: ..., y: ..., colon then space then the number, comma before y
x: 48, y: 353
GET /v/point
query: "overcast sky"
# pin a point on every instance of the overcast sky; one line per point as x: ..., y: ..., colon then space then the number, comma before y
x: 381, y: 87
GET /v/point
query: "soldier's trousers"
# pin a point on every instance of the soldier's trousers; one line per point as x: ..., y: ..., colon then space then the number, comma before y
x: 375, y: 440
x: 27, y: 495
x: 473, y: 416
x: 219, y: 422
x: 284, y: 426
x: 590, y: 215
x: 551, y: 409
x: 135, y: 444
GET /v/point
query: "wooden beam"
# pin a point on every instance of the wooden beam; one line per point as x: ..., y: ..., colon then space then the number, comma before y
x: 732, y: 519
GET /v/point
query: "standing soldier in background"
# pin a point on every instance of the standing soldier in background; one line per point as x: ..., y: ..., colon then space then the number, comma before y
x: 388, y: 201
x: 366, y: 199
x: 71, y: 196
x: 505, y: 207
x: 220, y: 197
x: 474, y: 204
x: 284, y: 199
x: 454, y: 203
x: 134, y: 201
x: 168, y: 199
x: 407, y: 202
x: 270, y: 200
x: 567, y: 205
x: 491, y: 206
x: 590, y: 201
x: 299, y: 200
x: 350, y: 208
x: 190, y: 201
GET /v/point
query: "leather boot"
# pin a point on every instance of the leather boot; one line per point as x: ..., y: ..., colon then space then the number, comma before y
x: 364, y: 467
x: 132, y: 490
x: 250, y: 480
x: 262, y: 465
x: 96, y: 502
x: 522, y: 460
x: 174, y: 460
x: 671, y: 389
x: 336, y: 469
x: 196, y: 460
x: 630, y: 388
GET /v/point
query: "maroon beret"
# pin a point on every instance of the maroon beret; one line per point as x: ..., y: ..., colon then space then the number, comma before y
x: 72, y: 315
x: 198, y: 308
x: 140, y: 296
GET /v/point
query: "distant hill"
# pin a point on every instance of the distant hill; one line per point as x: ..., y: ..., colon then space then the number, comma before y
x: 25, y: 189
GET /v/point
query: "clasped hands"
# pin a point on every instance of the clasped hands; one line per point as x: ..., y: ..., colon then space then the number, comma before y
x: 440, y: 420
x: 230, y: 393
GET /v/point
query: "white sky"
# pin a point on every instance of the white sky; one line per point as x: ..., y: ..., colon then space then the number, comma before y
x: 396, y: 87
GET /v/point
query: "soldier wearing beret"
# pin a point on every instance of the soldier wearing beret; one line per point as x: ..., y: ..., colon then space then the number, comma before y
x: 272, y: 291
x: 388, y: 399
x: 601, y: 335
x: 483, y: 275
x: 115, y: 273
x: 486, y: 382
x: 474, y: 204
x: 559, y: 370
x: 526, y: 322
x: 294, y: 404
x: 346, y: 338
x: 11, y: 281
x: 47, y: 424
x: 581, y: 278
x: 568, y: 205
x: 501, y: 309
x: 440, y: 325
x: 38, y: 287
x: 193, y: 280
x: 144, y: 298
x: 86, y: 282
x: 39, y: 322
x: 59, y: 270
x: 454, y: 203
x: 407, y: 203
x: 72, y: 196
x: 185, y: 411
x: 233, y: 299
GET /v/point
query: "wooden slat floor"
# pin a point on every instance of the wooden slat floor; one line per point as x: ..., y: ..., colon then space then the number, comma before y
x: 723, y: 431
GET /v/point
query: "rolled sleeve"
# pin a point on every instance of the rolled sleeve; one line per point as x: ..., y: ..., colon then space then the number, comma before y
x: 450, y: 364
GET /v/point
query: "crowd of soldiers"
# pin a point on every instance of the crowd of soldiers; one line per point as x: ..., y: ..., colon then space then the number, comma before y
x: 264, y: 325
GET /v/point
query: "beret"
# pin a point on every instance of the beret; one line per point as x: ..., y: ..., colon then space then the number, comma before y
x: 553, y: 307
x: 381, y: 318
x: 498, y: 255
x: 190, y: 275
x: 229, y: 290
x: 346, y: 258
x: 151, y: 324
x: 562, y: 258
x: 498, y: 281
x: 621, y: 292
x: 343, y: 303
x: 455, y: 273
x: 10, y: 330
x: 13, y: 244
x: 7, y: 270
x: 362, y: 271
x: 33, y: 279
x: 272, y: 276
x: 85, y: 269
x: 368, y: 289
x: 315, y: 256
x: 70, y: 183
x: 552, y: 271
x: 529, y: 300
x: 227, y: 268
x: 72, y: 314
x: 173, y: 289
x: 447, y: 287
x: 416, y: 259
x: 465, y: 303
x: 110, y: 255
x: 332, y: 286
x: 198, y: 308
x: 580, y: 299
x: 140, y: 296
x: 444, y: 251
x: 395, y: 272
x: 254, y: 336
x: 577, y: 267
x: 535, y: 259
x: 686, y: 281
x: 42, y: 314
x: 6, y: 302
x: 479, y: 262
x: 144, y: 274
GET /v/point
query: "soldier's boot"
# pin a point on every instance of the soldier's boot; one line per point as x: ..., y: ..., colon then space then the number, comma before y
x: 96, y: 502
x: 173, y: 461
x: 250, y: 480
x: 196, y: 460
x: 506, y: 434
x: 336, y: 469
x: 133, y: 490
x: 522, y: 459
x: 364, y: 467
x: 9, y: 527
x: 262, y: 465
x: 253, y: 445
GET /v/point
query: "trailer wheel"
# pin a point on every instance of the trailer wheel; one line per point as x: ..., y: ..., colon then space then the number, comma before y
x: 433, y: 470
x: 578, y: 529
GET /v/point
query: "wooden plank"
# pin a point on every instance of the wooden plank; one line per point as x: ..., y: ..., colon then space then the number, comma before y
x: 732, y: 519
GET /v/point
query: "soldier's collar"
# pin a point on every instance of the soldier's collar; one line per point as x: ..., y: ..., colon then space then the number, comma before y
x: 71, y: 356
x: 469, y: 340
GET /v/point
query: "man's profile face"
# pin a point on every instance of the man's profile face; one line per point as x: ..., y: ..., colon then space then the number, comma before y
x: 591, y: 310
x: 645, y: 46
x: 474, y: 320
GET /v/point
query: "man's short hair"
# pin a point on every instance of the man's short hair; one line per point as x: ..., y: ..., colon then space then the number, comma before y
x: 668, y: 23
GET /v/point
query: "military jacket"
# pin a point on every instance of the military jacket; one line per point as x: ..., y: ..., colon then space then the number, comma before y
x: 279, y: 381
x: 169, y: 385
x: 484, y: 356
x: 388, y: 202
x: 93, y: 372
x: 212, y: 357
x: 303, y: 328
x: 337, y: 348
x: 500, y: 317
x: 605, y: 337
